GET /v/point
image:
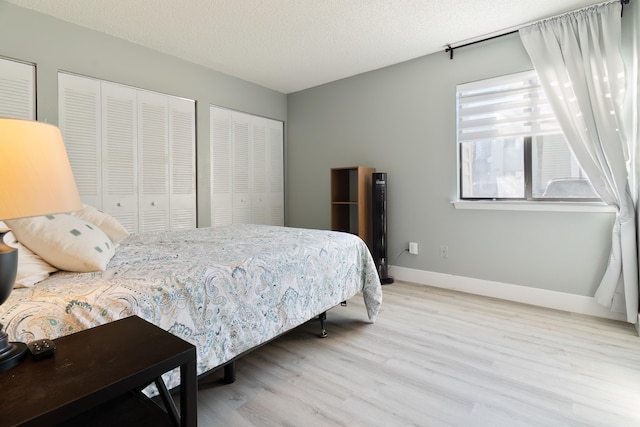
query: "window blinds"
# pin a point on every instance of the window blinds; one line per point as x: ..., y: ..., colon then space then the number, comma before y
x: 502, y: 107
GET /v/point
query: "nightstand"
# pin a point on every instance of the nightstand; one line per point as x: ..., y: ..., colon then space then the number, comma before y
x: 96, y: 376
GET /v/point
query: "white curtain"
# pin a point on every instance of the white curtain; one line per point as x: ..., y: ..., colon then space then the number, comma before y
x: 578, y: 59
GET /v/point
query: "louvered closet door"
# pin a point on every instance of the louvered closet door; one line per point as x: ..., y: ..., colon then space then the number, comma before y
x: 79, y: 117
x: 260, y: 177
x: 275, y: 171
x: 119, y: 154
x: 17, y: 90
x: 182, y: 164
x: 247, y: 174
x: 153, y: 161
x: 242, y: 124
x: 221, y: 166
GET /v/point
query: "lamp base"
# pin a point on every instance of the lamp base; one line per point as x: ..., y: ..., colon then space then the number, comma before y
x: 12, y: 355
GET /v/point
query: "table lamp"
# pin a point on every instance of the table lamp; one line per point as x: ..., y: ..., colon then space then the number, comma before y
x: 35, y: 179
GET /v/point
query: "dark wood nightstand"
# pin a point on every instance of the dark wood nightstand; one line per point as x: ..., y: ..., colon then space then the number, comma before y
x: 95, y: 378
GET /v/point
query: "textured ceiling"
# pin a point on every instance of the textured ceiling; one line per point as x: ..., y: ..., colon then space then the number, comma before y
x: 290, y: 45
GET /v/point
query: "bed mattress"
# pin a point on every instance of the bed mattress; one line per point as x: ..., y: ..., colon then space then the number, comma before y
x: 224, y: 289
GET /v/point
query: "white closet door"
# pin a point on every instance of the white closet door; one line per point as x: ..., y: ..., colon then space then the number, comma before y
x: 260, y: 177
x: 153, y: 161
x: 182, y: 164
x: 242, y: 127
x: 119, y: 154
x: 79, y: 117
x: 221, y: 161
x: 275, y: 171
x: 17, y: 90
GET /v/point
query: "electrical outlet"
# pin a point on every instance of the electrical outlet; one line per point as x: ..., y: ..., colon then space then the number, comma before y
x: 444, y: 251
x: 413, y: 248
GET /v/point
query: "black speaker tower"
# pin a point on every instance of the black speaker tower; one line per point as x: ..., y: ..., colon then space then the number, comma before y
x: 379, y: 223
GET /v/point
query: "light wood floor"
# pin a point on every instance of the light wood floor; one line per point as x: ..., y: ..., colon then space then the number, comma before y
x: 435, y: 358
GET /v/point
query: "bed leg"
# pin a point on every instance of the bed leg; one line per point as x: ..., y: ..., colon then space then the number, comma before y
x: 229, y: 373
x: 322, y: 317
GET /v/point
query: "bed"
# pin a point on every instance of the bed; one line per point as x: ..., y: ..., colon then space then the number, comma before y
x: 226, y: 290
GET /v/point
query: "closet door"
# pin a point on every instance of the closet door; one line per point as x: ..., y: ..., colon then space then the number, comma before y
x: 17, y: 90
x: 247, y: 169
x: 79, y: 118
x: 275, y: 171
x: 259, y: 173
x: 221, y: 162
x: 153, y: 161
x: 182, y: 164
x: 119, y: 154
x: 242, y: 135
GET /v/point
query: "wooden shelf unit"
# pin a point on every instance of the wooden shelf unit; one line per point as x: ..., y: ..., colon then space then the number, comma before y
x: 351, y: 200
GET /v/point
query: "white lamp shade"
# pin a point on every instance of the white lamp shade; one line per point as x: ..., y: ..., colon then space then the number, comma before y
x: 35, y: 174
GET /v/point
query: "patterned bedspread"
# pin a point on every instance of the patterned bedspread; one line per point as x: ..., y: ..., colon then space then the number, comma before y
x: 225, y: 290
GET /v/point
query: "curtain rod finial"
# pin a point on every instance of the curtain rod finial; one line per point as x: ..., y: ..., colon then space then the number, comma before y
x: 449, y: 50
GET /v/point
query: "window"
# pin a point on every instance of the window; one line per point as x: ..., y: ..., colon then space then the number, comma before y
x: 510, y: 145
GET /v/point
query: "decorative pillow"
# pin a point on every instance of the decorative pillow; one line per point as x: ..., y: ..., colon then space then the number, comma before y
x: 64, y: 241
x: 31, y: 268
x: 111, y: 227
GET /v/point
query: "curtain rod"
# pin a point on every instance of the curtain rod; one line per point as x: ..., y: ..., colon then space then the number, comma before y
x: 450, y: 49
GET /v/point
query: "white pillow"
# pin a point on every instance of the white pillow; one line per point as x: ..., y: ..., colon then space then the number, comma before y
x: 111, y: 227
x: 65, y: 241
x: 31, y: 268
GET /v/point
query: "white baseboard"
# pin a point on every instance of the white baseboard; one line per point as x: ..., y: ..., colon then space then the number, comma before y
x: 518, y: 293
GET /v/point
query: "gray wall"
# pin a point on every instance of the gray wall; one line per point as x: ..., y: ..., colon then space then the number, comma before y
x: 56, y: 45
x: 401, y: 120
